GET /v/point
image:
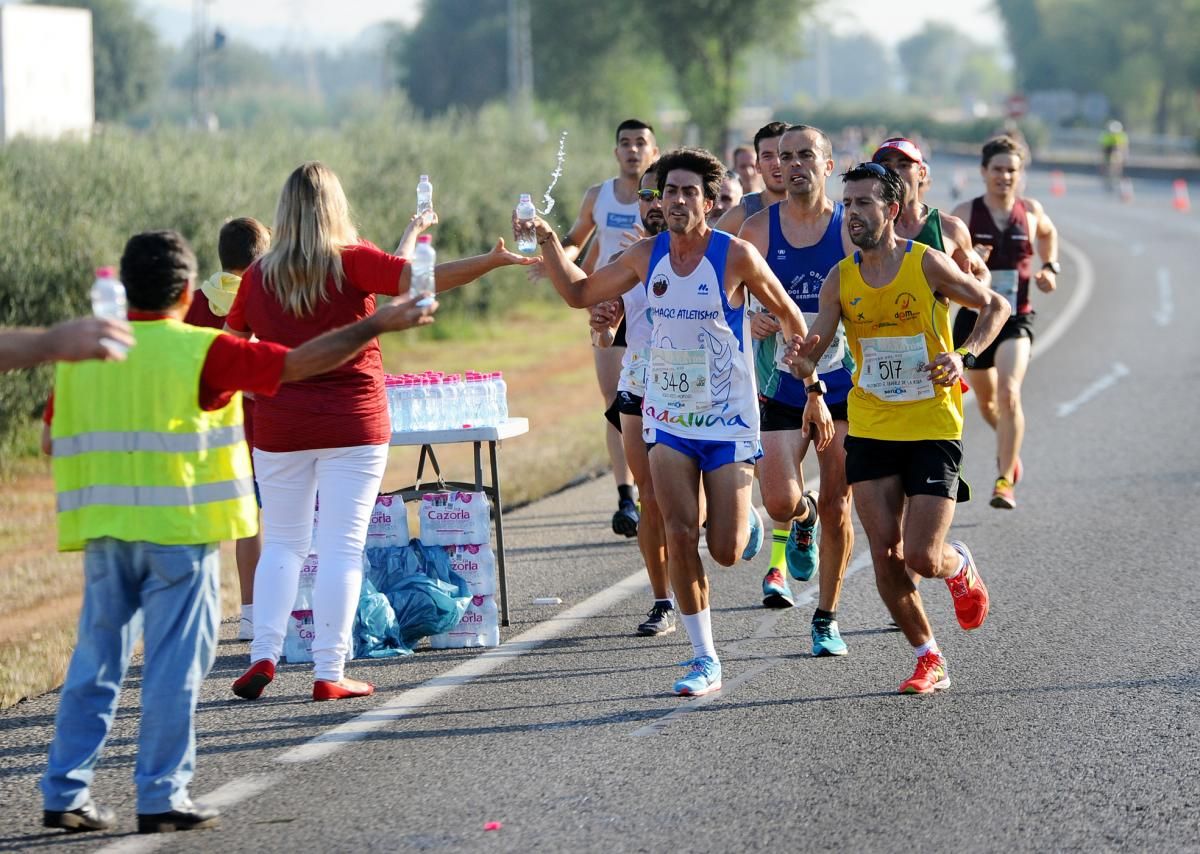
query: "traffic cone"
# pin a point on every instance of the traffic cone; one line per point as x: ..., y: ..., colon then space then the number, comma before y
x: 1126, y: 190
x: 1058, y: 184
x: 1181, y: 202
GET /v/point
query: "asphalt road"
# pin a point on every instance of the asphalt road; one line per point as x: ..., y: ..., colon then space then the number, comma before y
x: 1072, y: 723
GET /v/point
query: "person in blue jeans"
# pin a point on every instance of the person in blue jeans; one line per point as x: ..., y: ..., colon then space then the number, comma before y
x: 151, y: 472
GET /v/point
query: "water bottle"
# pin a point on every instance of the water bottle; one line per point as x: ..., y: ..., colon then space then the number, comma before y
x: 424, y: 195
x: 423, y: 261
x: 501, y: 396
x: 523, y: 231
x: 470, y: 400
x: 108, y: 300
x: 436, y: 408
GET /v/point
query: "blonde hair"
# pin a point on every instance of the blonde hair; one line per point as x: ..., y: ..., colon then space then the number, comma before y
x: 312, y: 226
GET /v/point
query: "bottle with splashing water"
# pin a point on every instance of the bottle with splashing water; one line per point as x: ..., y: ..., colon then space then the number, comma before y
x: 424, y: 195
x: 523, y: 230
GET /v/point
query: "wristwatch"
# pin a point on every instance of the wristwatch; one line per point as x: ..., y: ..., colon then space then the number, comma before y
x: 817, y: 388
x: 968, y: 358
x: 1053, y: 266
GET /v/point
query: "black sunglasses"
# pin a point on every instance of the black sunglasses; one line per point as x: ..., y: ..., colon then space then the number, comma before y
x: 649, y: 194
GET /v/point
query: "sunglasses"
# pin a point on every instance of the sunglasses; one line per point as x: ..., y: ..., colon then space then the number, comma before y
x: 649, y: 195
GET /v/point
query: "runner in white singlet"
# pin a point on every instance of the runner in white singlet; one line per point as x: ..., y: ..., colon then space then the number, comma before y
x: 609, y: 209
x: 701, y: 399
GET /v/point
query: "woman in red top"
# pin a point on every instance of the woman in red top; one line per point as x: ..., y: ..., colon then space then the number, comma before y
x: 328, y: 433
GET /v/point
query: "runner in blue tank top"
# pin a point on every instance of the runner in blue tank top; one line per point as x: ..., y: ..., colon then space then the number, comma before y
x: 803, y: 238
x: 699, y: 412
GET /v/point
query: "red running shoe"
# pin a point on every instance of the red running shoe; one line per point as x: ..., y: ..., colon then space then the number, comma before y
x: 323, y: 689
x: 970, y: 596
x: 250, y: 685
x: 929, y: 676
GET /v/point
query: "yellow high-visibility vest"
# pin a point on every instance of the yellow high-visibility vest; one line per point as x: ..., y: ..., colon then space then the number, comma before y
x: 136, y: 459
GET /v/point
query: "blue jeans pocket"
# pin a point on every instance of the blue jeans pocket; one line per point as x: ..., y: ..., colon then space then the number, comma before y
x: 171, y: 565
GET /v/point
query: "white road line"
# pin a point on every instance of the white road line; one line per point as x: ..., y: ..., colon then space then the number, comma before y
x: 414, y: 699
x: 1166, y: 303
x: 1079, y: 298
x: 1116, y: 373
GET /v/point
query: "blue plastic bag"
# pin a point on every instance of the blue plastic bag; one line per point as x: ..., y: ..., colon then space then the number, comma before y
x: 426, y: 596
x: 376, y: 632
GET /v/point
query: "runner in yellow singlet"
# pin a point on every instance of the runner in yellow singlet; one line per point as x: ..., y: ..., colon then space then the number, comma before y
x: 905, y: 411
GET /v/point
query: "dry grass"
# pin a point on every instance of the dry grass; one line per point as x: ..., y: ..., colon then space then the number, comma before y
x: 547, y: 363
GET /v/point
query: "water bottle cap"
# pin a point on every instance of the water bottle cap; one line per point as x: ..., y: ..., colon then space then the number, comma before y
x: 424, y: 179
x: 106, y: 272
x: 425, y: 238
x: 525, y: 197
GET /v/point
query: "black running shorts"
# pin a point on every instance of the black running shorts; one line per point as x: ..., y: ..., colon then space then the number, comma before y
x: 1020, y: 326
x: 927, y: 467
x: 625, y: 403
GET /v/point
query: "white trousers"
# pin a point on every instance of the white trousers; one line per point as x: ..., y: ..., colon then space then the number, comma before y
x: 348, y: 480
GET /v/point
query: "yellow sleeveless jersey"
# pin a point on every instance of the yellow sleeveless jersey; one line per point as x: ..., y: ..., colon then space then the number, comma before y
x: 892, y: 330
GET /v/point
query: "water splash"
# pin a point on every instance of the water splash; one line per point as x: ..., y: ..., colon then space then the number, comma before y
x: 547, y: 199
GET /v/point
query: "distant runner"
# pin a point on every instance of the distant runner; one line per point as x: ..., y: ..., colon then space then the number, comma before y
x: 1003, y: 228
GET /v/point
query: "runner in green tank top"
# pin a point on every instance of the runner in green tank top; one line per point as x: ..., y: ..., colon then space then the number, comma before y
x: 922, y: 223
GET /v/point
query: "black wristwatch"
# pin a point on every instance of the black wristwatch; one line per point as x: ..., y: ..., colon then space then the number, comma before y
x: 818, y: 387
x: 1053, y: 266
x: 968, y: 358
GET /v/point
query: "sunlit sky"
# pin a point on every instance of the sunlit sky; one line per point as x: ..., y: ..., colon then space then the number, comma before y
x: 333, y: 23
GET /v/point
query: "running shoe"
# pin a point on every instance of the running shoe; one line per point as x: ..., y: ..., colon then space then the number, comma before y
x: 826, y: 638
x: 775, y: 590
x: 970, y: 596
x: 703, y: 677
x: 801, y: 550
x: 659, y: 621
x: 625, y: 520
x: 757, y: 535
x: 929, y: 676
x: 1003, y: 495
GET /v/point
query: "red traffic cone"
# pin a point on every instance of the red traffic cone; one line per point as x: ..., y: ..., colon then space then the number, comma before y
x: 1126, y: 190
x: 1181, y: 202
x: 1058, y: 184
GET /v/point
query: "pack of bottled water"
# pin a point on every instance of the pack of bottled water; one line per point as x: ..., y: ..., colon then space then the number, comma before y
x: 437, y: 401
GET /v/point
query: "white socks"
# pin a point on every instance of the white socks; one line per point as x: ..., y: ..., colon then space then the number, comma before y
x: 929, y: 646
x: 699, y: 630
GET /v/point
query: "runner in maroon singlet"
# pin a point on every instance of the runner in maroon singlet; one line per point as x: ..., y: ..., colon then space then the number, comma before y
x: 1004, y: 228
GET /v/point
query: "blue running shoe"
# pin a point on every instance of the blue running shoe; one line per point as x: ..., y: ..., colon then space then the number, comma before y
x: 757, y: 535
x: 801, y: 550
x: 775, y: 590
x: 827, y: 640
x: 703, y: 677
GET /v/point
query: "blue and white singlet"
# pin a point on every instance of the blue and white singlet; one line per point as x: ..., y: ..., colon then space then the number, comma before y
x: 700, y: 384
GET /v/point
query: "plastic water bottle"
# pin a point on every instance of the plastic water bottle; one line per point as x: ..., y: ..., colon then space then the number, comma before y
x: 108, y: 300
x: 470, y: 400
x: 424, y: 195
x: 423, y: 261
x: 501, y: 396
x: 523, y: 231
